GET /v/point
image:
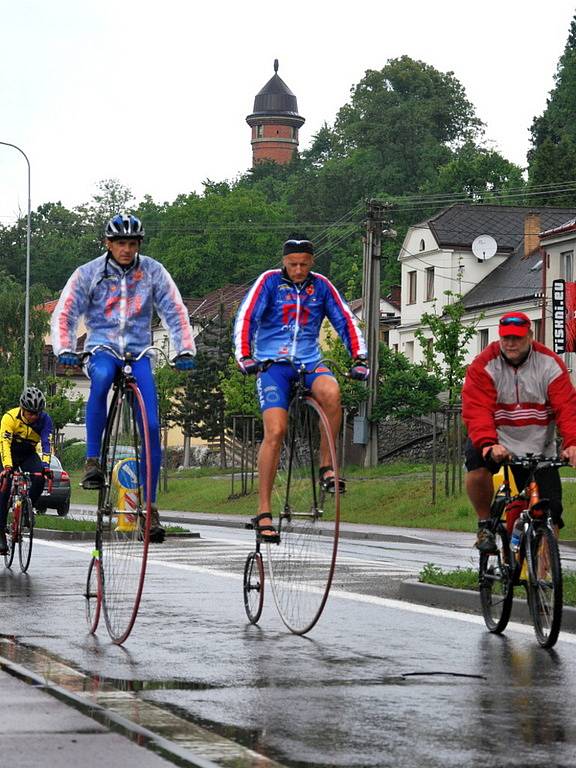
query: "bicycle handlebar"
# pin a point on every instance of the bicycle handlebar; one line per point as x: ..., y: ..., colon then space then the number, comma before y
x: 301, y: 369
x: 535, y: 461
x: 128, y: 357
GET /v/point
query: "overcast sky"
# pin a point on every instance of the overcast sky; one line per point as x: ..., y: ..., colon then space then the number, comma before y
x: 156, y: 94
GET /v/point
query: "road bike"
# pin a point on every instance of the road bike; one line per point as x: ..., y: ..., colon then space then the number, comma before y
x: 307, y: 517
x: 536, y: 562
x: 20, y: 521
x: 117, y: 569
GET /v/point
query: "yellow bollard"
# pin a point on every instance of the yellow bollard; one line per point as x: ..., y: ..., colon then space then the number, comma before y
x: 125, y: 477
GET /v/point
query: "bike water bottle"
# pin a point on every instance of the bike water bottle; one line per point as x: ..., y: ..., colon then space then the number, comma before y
x: 517, y: 532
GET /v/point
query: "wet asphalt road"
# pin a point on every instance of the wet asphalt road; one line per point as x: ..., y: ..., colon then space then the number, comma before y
x: 377, y: 682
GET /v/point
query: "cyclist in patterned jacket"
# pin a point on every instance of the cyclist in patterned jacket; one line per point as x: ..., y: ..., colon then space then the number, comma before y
x: 280, y: 317
x: 22, y: 431
x: 117, y: 294
x: 515, y: 394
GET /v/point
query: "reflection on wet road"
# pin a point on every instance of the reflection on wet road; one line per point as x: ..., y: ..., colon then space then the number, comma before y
x: 377, y: 683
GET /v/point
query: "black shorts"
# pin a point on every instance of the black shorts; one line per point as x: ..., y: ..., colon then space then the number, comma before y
x: 548, y: 479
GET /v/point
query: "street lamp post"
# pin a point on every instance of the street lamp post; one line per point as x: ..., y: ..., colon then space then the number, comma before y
x: 27, y: 294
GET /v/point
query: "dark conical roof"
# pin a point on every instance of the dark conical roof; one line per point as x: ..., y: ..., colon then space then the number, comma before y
x: 275, y: 98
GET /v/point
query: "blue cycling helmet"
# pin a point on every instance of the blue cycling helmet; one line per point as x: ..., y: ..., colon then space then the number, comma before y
x: 123, y: 226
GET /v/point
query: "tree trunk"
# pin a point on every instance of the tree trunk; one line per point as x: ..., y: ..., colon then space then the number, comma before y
x: 186, y: 458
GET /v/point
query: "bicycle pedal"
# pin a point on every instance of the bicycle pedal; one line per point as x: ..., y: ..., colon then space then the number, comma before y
x: 249, y: 526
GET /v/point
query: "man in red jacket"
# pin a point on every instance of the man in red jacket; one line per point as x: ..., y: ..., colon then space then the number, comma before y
x: 516, y: 393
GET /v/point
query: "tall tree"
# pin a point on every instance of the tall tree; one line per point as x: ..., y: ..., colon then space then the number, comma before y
x: 552, y: 157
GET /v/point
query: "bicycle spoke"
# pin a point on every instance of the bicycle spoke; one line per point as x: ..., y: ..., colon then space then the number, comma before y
x: 496, y: 583
x: 25, y: 534
x: 545, y: 586
x: 302, y: 565
x: 124, y: 526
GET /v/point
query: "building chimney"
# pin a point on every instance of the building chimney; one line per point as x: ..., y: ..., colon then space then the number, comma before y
x: 531, y: 233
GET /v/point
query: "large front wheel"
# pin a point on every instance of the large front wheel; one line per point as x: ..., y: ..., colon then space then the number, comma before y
x: 497, y: 583
x: 545, y: 586
x: 124, y: 511
x: 302, y: 564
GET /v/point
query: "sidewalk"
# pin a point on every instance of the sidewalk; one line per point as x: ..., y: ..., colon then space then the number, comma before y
x: 39, y: 731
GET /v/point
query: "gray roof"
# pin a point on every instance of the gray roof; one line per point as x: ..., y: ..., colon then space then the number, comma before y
x: 517, y: 278
x: 458, y: 225
x: 275, y: 98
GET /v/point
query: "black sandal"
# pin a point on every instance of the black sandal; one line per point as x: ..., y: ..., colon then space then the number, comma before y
x: 327, y: 483
x: 270, y: 538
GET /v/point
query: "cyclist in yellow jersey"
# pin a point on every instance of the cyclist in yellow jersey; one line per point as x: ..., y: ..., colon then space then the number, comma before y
x: 22, y: 429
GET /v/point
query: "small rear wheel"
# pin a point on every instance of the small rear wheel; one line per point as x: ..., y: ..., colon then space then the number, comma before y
x: 254, y: 586
x: 25, y: 533
x: 93, y: 595
x: 545, y: 586
x: 496, y: 578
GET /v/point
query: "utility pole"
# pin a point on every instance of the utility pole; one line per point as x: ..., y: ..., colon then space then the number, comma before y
x: 366, y: 432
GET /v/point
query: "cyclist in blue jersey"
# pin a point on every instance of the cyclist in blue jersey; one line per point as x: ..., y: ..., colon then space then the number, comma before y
x: 117, y: 294
x: 280, y: 317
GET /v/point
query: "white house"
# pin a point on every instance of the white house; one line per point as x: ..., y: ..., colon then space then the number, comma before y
x: 436, y: 256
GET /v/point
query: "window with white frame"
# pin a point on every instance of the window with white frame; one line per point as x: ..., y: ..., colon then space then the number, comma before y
x: 409, y: 350
x: 537, y: 330
x: 412, y: 287
x: 429, y: 283
x: 482, y: 339
x: 422, y: 245
x: 567, y: 266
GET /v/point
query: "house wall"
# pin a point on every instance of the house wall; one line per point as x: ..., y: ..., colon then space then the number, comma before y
x: 455, y: 270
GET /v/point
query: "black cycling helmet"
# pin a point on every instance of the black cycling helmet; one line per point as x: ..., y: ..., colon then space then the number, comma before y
x: 33, y: 400
x: 123, y: 226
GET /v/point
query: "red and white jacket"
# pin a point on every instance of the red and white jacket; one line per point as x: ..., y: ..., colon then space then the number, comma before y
x: 519, y: 407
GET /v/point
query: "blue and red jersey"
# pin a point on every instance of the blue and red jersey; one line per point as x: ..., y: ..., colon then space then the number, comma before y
x: 279, y: 318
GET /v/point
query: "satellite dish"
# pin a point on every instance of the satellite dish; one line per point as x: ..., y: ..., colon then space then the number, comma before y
x: 484, y: 247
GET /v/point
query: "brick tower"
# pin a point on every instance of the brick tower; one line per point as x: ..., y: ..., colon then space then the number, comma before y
x: 275, y: 122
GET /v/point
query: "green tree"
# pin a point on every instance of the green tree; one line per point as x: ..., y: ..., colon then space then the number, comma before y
x: 61, y: 405
x: 552, y: 157
x: 405, y: 389
x: 445, y: 350
x: 479, y: 173
x: 239, y: 391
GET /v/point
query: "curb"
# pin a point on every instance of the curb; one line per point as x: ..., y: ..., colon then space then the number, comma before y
x: 52, y: 534
x: 468, y: 600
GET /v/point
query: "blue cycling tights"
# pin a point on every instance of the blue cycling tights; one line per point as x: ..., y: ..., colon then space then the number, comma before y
x: 102, y: 370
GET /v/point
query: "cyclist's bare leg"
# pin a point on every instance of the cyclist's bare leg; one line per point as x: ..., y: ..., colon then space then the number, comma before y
x: 275, y: 424
x: 327, y: 392
x: 479, y: 488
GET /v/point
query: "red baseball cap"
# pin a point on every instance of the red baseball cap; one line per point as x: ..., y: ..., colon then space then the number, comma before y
x: 514, y: 324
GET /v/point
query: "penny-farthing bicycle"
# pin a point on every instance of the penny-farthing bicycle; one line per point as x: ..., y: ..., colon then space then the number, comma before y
x: 118, y: 566
x: 307, y: 517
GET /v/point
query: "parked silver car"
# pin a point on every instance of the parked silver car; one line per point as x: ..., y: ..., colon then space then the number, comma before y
x: 59, y: 496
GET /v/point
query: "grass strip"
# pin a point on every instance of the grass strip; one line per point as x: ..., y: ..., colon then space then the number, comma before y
x: 467, y: 578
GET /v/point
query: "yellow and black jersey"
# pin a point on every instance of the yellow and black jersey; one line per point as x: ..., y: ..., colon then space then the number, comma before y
x: 18, y: 439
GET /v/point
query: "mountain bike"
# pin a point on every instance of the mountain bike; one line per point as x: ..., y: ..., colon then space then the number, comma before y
x: 117, y: 569
x: 20, y: 522
x: 301, y: 566
x: 536, y: 563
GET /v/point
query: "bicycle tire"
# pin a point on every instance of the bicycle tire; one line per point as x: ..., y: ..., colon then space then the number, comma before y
x: 301, y: 566
x: 496, y: 580
x: 11, y: 537
x: 253, y: 585
x: 25, y: 533
x: 544, y: 586
x: 93, y: 595
x: 123, y: 542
